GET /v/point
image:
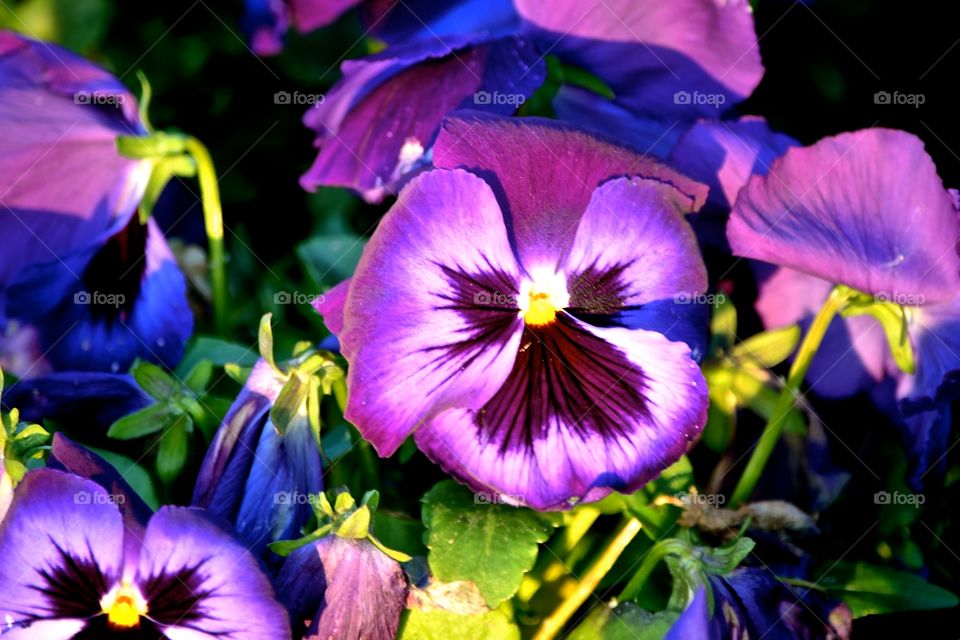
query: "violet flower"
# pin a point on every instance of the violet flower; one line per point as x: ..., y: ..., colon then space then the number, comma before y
x: 524, y: 311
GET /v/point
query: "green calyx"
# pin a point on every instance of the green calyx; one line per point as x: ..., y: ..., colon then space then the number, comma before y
x: 892, y: 316
x: 345, y: 519
x: 21, y: 444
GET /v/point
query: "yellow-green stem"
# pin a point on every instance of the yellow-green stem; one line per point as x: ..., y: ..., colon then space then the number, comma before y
x: 213, y: 221
x: 788, y: 395
x: 554, y: 623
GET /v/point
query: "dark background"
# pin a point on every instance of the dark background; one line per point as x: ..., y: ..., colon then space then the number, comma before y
x: 824, y: 64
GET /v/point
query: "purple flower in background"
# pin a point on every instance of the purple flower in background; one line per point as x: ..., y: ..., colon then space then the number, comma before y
x: 81, y: 280
x: 868, y: 210
x: 256, y: 474
x: 524, y: 312
x: 267, y: 21
x: 752, y: 603
x: 343, y: 588
x: 72, y: 570
x: 375, y: 128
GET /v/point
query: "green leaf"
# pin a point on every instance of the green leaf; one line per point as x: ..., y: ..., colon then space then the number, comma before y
x: 199, y: 376
x: 723, y: 324
x: 265, y: 339
x: 443, y: 625
x: 142, y: 423
x: 331, y: 258
x: 768, y: 349
x: 158, y: 384
x: 136, y: 476
x: 172, y: 453
x: 219, y: 352
x: 869, y: 589
x: 491, y: 545
x: 626, y: 621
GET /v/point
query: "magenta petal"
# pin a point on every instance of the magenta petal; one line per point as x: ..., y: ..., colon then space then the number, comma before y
x: 60, y: 529
x: 231, y: 597
x: 865, y: 209
x: 544, y: 174
x: 330, y: 306
x: 308, y: 15
x: 585, y: 411
x: 431, y: 317
x: 648, y: 50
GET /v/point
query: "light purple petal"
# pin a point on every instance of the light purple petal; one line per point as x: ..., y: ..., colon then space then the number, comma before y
x: 544, y: 174
x: 376, y: 127
x: 233, y: 598
x: 330, y: 306
x: 60, y: 529
x: 585, y: 411
x: 424, y: 324
x: 63, y: 183
x: 865, y: 209
x: 647, y: 50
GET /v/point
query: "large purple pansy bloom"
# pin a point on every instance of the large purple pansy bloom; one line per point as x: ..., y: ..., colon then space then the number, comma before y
x: 256, y: 477
x: 517, y: 310
x: 67, y: 573
x: 82, y: 282
x: 375, y: 128
x: 868, y: 210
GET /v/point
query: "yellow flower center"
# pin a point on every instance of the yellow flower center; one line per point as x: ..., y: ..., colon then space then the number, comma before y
x: 540, y: 310
x: 124, y: 605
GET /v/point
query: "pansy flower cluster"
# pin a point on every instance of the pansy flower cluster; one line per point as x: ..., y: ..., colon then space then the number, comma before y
x: 578, y: 379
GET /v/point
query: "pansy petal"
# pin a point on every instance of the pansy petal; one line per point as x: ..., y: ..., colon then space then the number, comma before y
x: 63, y: 183
x: 935, y: 333
x: 544, y: 174
x: 431, y: 316
x: 585, y: 411
x: 330, y: 306
x: 695, y: 621
x: 853, y: 356
x: 308, y: 15
x: 60, y: 543
x: 635, y: 259
x: 375, y: 130
x: 396, y: 22
x: 724, y: 155
x: 838, y: 210
x: 201, y: 583
x: 651, y: 53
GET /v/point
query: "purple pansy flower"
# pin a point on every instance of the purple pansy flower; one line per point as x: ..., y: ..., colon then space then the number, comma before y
x: 752, y: 603
x: 517, y: 311
x: 267, y: 21
x: 665, y: 64
x: 256, y: 475
x: 68, y: 572
x: 82, y: 282
x: 343, y: 588
x: 868, y: 210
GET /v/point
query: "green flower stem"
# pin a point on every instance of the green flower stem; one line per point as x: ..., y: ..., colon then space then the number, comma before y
x: 574, y: 531
x: 788, y: 395
x: 657, y: 553
x: 554, y: 623
x: 213, y: 221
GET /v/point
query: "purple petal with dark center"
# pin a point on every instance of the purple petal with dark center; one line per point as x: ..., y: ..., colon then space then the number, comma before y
x: 584, y: 411
x: 865, y: 209
x: 544, y: 174
x: 60, y: 543
x: 431, y: 317
x: 197, y: 577
x: 63, y: 185
x: 344, y: 589
x: 375, y: 129
x: 99, y: 312
x: 651, y: 53
x: 724, y: 155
